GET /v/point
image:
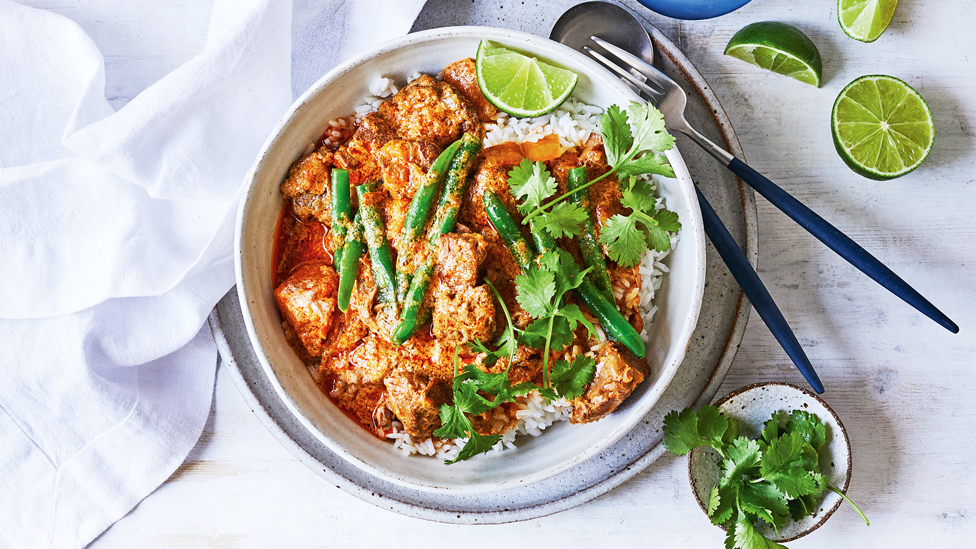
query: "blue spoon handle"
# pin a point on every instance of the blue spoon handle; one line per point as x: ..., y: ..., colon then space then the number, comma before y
x: 754, y: 289
x: 839, y: 242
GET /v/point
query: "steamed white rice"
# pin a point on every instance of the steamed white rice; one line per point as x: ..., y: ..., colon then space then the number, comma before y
x: 572, y: 122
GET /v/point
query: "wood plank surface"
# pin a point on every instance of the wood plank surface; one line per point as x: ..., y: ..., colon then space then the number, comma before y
x: 903, y: 386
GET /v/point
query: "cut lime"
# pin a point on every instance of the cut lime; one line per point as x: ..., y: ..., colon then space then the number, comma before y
x: 882, y: 127
x: 780, y: 48
x: 865, y: 20
x: 521, y: 85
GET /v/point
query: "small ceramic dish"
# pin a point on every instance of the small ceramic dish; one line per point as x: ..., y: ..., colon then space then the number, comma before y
x: 562, y: 446
x: 753, y: 405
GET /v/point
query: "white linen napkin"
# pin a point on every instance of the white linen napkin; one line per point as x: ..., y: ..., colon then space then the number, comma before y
x: 116, y: 241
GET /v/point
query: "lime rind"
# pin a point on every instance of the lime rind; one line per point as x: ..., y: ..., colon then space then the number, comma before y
x: 521, y: 85
x: 881, y: 127
x: 779, y: 48
x: 865, y: 20
x: 777, y: 61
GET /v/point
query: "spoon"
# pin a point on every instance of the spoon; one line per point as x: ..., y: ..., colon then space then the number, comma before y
x: 611, y: 22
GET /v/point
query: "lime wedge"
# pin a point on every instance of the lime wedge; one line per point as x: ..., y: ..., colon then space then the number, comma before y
x: 521, y: 85
x: 865, y: 20
x: 780, y: 48
x: 882, y: 127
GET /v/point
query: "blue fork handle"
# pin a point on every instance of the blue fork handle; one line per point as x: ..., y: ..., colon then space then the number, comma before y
x: 754, y: 289
x: 839, y: 242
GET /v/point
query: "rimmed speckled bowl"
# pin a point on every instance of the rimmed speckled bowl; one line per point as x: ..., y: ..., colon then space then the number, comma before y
x: 561, y: 447
x: 753, y: 405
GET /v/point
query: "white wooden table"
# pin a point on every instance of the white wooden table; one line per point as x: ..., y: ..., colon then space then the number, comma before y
x: 904, y: 387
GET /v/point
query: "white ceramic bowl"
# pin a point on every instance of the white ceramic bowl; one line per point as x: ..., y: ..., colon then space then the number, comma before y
x: 753, y: 405
x: 563, y: 445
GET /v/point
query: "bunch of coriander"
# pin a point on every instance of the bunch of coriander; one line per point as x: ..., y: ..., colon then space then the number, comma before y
x: 774, y: 478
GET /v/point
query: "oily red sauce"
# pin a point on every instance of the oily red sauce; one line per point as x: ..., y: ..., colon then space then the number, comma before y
x: 366, y: 401
x: 297, y: 242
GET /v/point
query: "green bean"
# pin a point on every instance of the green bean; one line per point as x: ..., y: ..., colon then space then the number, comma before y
x: 352, y: 251
x: 605, y: 310
x: 379, y: 248
x: 614, y: 323
x: 445, y: 217
x: 417, y: 215
x: 544, y: 242
x: 589, y: 246
x: 409, y: 318
x: 507, y: 229
x: 455, y: 184
x: 341, y: 209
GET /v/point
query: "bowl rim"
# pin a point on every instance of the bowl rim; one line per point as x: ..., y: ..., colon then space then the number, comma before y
x: 693, y: 235
x: 840, y: 424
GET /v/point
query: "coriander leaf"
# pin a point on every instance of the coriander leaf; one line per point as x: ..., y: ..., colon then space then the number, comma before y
x: 746, y: 536
x: 765, y: 501
x: 791, y: 464
x: 565, y: 269
x: 732, y: 432
x: 562, y: 336
x: 565, y: 219
x: 803, y: 506
x: 713, y: 501
x: 649, y: 163
x: 813, y: 431
x: 615, y: 129
x: 534, y: 334
x: 548, y: 393
x: 570, y: 380
x: 536, y: 289
x: 531, y: 181
x: 549, y: 261
x: 478, y: 347
x: 454, y: 424
x: 638, y: 195
x: 771, y: 431
x: 727, y: 497
x: 689, y: 429
x: 491, y: 357
x: 667, y: 221
x: 477, y: 444
x: 467, y: 399
x: 656, y: 238
x: 742, y: 458
x: 647, y: 124
x: 523, y: 388
x: 494, y: 384
x: 621, y: 235
x: 574, y: 315
x: 624, y: 243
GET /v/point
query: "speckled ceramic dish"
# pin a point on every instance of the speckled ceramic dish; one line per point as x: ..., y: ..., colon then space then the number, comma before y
x: 561, y: 447
x: 753, y: 405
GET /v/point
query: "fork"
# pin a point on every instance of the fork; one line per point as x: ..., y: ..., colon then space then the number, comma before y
x: 670, y: 99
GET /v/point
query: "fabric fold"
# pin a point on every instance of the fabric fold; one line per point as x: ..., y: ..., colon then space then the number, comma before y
x: 116, y: 239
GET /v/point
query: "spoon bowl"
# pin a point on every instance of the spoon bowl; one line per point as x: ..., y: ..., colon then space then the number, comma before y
x: 614, y: 23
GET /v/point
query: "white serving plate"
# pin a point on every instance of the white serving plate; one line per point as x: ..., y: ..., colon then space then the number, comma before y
x: 563, y: 446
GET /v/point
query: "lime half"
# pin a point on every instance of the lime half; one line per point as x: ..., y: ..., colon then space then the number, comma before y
x: 521, y: 85
x: 865, y: 20
x: 882, y: 127
x: 780, y: 48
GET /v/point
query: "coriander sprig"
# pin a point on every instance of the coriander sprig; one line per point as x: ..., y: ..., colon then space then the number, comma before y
x: 624, y: 140
x: 630, y: 139
x: 773, y: 478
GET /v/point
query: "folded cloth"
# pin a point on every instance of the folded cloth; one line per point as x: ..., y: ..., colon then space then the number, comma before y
x: 116, y: 241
